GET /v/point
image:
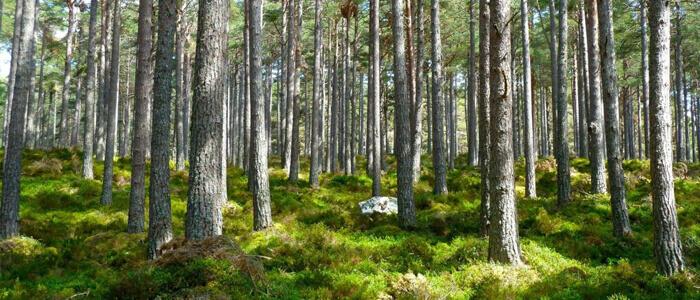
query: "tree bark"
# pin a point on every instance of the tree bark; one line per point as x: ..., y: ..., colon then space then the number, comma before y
x: 89, y: 132
x: 595, y: 117
x: 12, y: 163
x: 484, y: 115
x: 620, y: 218
x: 262, y: 215
x: 418, y: 95
x: 562, y: 148
x: 472, y: 142
x: 439, y: 160
x: 144, y: 88
x: 503, y: 231
x: 645, y: 73
x: 402, y: 117
x: 374, y: 98
x: 111, y: 116
x: 316, y: 129
x: 667, y: 241
x: 530, y: 179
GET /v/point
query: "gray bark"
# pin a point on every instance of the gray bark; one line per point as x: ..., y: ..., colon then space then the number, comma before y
x: 14, y: 56
x: 374, y: 99
x: 159, y: 218
x: 439, y: 160
x: 484, y: 115
x: 562, y: 148
x: 111, y: 115
x: 65, y: 91
x: 645, y: 73
x: 503, y: 231
x: 530, y: 179
x: 418, y: 95
x: 204, y: 217
x: 316, y: 129
x: 402, y: 117
x: 472, y: 142
x: 595, y: 117
x: 143, y: 90
x: 262, y: 215
x: 620, y: 218
x: 180, y: 38
x: 12, y: 163
x: 667, y: 242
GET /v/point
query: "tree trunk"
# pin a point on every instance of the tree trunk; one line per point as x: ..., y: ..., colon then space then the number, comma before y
x: 472, y: 142
x: 14, y: 56
x: 296, y: 95
x: 439, y: 161
x: 553, y: 59
x: 645, y: 73
x: 484, y: 115
x: 621, y: 223
x: 262, y: 215
x: 667, y: 241
x: 291, y: 69
x: 583, y: 81
x: 143, y: 91
x: 402, y: 117
x: 595, y: 118
x: 530, y: 179
x: 181, y: 35
x: 503, y: 232
x: 562, y: 148
x: 12, y: 164
x: 111, y: 115
x: 204, y: 217
x: 159, y: 218
x: 316, y: 129
x: 374, y: 98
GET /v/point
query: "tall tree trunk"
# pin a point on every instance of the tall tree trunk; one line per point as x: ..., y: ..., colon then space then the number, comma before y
x: 204, y: 217
x: 667, y: 241
x: 65, y: 91
x: 452, y: 125
x: 418, y: 95
x: 472, y: 142
x: 296, y: 95
x: 553, y: 59
x: 583, y: 81
x: 680, y: 99
x: 402, y: 117
x: 530, y: 180
x: 291, y: 69
x: 484, y: 115
x: 12, y: 163
x: 159, y: 218
x: 595, y: 118
x: 374, y: 98
x: 439, y: 161
x: 180, y: 38
x: 14, y: 56
x: 316, y: 129
x: 645, y: 73
x: 262, y: 215
x: 621, y: 223
x: 562, y: 148
x: 503, y: 231
x: 111, y: 116
x: 143, y: 91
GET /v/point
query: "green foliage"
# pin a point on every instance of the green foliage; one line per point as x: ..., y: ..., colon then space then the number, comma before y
x: 321, y: 247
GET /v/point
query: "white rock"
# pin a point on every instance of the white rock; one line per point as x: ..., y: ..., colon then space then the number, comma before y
x: 379, y: 204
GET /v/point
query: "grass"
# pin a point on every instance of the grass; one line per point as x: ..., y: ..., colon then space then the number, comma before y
x: 321, y: 247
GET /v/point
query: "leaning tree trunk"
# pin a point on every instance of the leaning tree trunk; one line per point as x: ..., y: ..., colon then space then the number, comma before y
x: 374, y: 99
x: 316, y: 129
x: 503, y: 231
x: 667, y: 240
x: 402, y: 117
x: 439, y: 161
x: 262, y: 215
x: 484, y: 115
x: 111, y: 115
x: 472, y: 142
x: 621, y: 222
x: 562, y: 149
x: 595, y: 117
x: 12, y: 164
x: 159, y: 218
x: 204, y: 217
x: 530, y: 180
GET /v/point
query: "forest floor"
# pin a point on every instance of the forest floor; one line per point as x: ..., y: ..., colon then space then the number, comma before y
x: 321, y: 247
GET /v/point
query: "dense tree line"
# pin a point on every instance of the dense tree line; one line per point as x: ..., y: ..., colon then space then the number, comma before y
x: 219, y: 84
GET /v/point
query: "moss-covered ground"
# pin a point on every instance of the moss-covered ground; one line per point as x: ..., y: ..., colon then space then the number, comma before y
x: 321, y: 247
